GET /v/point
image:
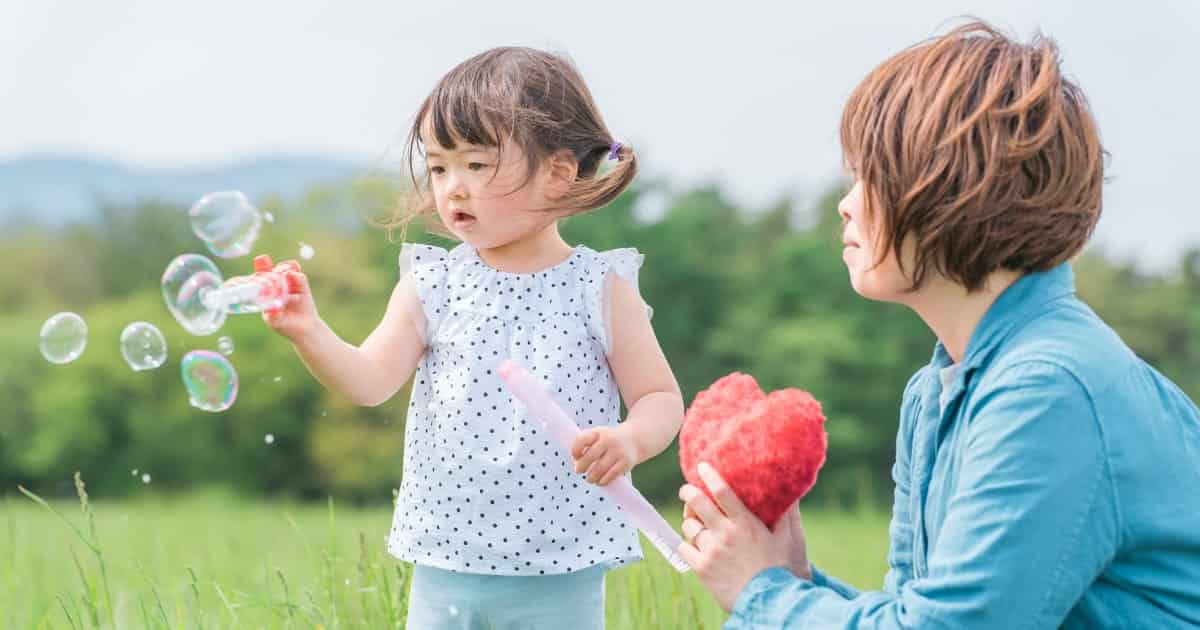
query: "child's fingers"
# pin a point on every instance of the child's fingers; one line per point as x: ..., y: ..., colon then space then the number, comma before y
x: 601, y: 468
x: 288, y: 265
x: 262, y: 263
x: 587, y: 460
x: 582, y: 442
x: 297, y: 283
x: 613, y: 473
x: 591, y: 455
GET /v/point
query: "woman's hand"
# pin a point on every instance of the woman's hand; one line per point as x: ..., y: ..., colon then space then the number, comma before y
x: 728, y: 545
x: 605, y: 453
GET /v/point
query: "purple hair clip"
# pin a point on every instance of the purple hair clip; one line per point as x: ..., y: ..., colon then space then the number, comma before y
x: 614, y: 150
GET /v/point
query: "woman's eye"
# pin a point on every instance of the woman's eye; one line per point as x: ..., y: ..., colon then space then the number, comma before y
x: 476, y: 166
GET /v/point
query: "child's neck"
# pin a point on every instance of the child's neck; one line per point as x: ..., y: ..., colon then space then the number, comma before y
x: 953, y: 313
x: 541, y: 250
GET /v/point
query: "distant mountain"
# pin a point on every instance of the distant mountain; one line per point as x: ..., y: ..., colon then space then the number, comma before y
x: 63, y: 187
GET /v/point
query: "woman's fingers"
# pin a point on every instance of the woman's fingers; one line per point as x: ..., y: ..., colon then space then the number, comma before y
x: 701, y: 507
x: 726, y: 499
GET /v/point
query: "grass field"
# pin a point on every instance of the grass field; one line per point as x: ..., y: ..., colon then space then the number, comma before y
x: 212, y: 561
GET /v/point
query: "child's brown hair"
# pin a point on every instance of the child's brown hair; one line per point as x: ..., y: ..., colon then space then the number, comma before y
x: 539, y: 101
x: 976, y: 148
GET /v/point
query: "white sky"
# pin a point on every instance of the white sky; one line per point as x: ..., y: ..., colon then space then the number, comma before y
x: 748, y: 94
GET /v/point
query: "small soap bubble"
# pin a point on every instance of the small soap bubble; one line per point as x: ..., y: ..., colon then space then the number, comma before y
x: 134, y: 472
x: 184, y: 284
x: 270, y: 218
x: 146, y: 478
x: 63, y: 337
x: 211, y: 381
x: 143, y: 346
x: 227, y: 222
x: 278, y: 379
x: 453, y: 611
x: 269, y: 438
x: 225, y: 346
x: 306, y: 250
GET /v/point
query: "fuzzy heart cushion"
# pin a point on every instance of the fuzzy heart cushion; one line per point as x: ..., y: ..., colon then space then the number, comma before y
x: 768, y: 448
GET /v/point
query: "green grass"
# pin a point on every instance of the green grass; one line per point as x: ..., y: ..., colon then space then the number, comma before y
x: 211, y: 561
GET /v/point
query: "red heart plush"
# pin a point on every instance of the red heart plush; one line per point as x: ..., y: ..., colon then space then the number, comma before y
x: 768, y: 448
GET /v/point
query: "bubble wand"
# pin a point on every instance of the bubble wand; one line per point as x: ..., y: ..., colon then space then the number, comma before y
x: 263, y: 290
x: 556, y: 421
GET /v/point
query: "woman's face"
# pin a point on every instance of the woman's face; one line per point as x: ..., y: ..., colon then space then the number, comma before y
x: 874, y: 274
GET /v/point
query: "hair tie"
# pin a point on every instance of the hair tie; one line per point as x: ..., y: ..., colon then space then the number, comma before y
x: 614, y: 150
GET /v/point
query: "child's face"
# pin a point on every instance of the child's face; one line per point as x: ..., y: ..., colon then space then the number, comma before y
x: 483, y: 198
x: 861, y: 236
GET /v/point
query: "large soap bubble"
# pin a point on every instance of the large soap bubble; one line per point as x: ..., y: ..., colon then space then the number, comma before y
x: 185, y: 282
x: 63, y: 337
x: 143, y: 346
x: 211, y: 381
x: 227, y: 222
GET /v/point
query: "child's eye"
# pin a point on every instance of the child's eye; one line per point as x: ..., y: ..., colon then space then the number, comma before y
x: 437, y: 170
x: 476, y: 166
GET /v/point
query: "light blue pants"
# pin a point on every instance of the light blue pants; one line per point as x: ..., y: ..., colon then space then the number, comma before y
x: 449, y: 600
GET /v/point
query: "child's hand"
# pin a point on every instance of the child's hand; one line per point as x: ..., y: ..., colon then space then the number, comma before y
x: 299, y: 316
x: 605, y: 453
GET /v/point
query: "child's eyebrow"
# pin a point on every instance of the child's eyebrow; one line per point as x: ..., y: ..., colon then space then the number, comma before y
x: 464, y: 149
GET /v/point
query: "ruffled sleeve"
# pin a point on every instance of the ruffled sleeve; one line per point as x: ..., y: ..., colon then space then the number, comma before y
x: 424, y: 267
x: 623, y: 264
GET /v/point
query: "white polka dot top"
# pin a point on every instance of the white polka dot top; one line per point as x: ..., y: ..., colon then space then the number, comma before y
x: 484, y: 489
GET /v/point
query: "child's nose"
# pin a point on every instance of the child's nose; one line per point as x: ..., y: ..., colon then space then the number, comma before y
x: 457, y: 188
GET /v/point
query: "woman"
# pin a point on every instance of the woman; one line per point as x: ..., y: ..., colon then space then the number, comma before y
x: 1045, y: 476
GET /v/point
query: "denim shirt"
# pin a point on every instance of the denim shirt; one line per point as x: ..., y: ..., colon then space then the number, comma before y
x: 1059, y: 487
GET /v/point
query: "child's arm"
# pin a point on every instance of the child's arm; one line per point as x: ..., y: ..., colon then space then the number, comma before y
x: 369, y: 374
x: 648, y: 387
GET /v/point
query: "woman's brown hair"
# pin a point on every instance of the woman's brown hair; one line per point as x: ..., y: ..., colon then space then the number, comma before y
x: 976, y: 148
x: 536, y: 99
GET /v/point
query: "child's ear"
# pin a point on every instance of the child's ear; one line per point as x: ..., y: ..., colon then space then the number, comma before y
x: 561, y: 171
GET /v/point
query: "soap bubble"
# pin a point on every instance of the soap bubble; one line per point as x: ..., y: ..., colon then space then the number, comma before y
x: 143, y: 346
x: 63, y: 338
x: 146, y: 478
x: 134, y: 472
x: 306, y: 250
x: 225, y: 346
x: 268, y: 217
x: 184, y: 283
x: 211, y: 381
x: 278, y: 379
x: 269, y: 438
x: 227, y: 222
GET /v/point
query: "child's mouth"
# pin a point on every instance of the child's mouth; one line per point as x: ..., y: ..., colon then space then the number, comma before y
x: 462, y: 219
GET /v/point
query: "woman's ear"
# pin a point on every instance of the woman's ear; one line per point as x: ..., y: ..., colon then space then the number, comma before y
x: 561, y: 171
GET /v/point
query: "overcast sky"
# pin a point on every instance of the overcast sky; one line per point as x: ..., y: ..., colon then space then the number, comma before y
x: 748, y: 95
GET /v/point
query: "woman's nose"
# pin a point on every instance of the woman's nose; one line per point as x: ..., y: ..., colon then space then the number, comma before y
x: 843, y: 212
